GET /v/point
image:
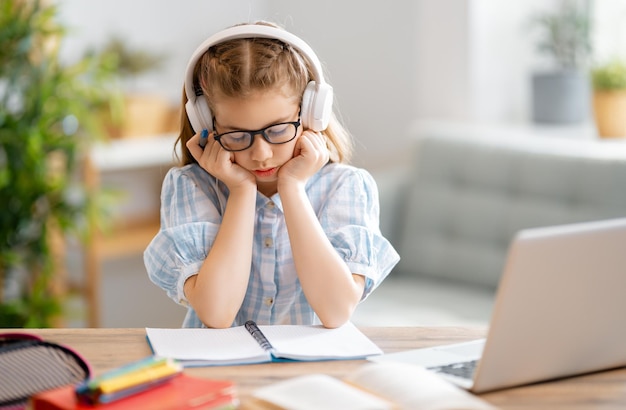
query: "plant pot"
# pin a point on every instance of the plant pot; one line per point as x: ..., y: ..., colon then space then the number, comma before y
x: 145, y: 115
x: 609, y: 109
x: 560, y: 97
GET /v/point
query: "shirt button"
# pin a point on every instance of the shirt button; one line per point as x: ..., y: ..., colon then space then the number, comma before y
x: 269, y: 301
x: 271, y: 205
x: 268, y: 242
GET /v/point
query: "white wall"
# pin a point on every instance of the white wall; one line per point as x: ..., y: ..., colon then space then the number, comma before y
x: 175, y: 28
x: 498, y: 70
x: 609, y: 29
x: 369, y: 50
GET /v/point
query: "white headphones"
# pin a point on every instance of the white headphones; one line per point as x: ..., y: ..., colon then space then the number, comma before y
x: 317, y: 99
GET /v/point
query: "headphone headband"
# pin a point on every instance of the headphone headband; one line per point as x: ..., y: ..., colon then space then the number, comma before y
x: 318, y: 93
x: 251, y: 31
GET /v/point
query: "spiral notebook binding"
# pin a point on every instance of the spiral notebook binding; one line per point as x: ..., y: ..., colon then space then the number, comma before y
x: 254, y: 330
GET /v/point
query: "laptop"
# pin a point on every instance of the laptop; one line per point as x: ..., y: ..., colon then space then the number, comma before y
x: 559, y: 311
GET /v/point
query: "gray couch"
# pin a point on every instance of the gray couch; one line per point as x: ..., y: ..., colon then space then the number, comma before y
x: 452, y: 214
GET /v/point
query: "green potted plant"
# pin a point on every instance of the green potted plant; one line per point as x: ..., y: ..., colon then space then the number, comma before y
x: 46, y: 128
x: 609, y: 98
x: 561, y: 95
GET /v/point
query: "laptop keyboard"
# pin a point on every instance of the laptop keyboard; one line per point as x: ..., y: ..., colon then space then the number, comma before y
x: 464, y: 370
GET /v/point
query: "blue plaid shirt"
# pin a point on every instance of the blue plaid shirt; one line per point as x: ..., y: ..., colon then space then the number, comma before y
x: 345, y: 200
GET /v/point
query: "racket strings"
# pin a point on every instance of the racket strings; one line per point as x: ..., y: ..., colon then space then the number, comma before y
x: 31, y: 367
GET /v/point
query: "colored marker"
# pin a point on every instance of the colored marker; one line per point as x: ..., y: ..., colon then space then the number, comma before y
x: 204, y: 137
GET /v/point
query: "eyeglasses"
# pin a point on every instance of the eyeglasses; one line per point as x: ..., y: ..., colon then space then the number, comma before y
x: 280, y: 133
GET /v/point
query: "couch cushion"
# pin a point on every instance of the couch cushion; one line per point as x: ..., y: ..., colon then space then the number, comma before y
x: 467, y: 197
x: 425, y: 301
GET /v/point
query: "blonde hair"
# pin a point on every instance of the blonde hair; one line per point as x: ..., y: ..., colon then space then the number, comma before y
x: 238, y: 68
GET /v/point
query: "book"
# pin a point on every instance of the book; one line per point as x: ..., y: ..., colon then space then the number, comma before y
x: 250, y: 343
x: 375, y: 386
x: 182, y: 392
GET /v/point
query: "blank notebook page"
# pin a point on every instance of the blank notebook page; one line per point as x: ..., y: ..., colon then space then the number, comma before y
x: 208, y: 344
x: 316, y: 341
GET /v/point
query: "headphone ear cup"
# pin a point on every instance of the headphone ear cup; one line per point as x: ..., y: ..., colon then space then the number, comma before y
x: 199, y: 114
x: 317, y: 106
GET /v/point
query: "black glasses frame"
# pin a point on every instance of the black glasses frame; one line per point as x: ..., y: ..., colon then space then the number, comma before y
x: 262, y: 131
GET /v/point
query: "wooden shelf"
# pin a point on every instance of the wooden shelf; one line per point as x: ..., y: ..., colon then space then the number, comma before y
x: 131, y: 153
x: 128, y: 236
x: 127, y: 241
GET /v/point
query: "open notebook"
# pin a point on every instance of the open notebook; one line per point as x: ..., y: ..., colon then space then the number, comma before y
x: 259, y: 344
x: 559, y: 311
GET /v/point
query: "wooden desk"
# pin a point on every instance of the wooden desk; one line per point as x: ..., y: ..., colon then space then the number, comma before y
x: 105, y: 349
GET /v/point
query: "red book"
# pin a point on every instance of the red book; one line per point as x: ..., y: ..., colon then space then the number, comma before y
x: 182, y: 392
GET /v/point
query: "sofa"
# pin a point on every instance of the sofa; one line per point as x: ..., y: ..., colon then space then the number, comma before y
x: 453, y: 211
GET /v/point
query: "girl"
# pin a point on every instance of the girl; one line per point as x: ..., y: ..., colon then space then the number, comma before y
x: 263, y: 220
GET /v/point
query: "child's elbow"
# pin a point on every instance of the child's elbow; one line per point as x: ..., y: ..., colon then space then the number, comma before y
x: 333, y: 325
x: 336, y: 319
x: 214, y: 318
x: 337, y: 316
x: 217, y: 323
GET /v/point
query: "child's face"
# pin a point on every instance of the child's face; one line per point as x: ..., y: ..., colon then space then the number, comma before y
x: 258, y: 111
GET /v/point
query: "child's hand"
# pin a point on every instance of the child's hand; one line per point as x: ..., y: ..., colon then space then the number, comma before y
x: 310, y: 155
x: 219, y: 162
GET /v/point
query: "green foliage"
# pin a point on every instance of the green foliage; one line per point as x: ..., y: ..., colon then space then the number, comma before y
x: 132, y: 62
x: 47, y: 124
x: 610, y: 76
x: 565, y: 34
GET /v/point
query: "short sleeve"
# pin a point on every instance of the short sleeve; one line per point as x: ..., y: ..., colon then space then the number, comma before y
x: 190, y: 219
x: 350, y: 218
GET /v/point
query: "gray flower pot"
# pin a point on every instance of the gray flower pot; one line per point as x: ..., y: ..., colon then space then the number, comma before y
x: 561, y: 97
